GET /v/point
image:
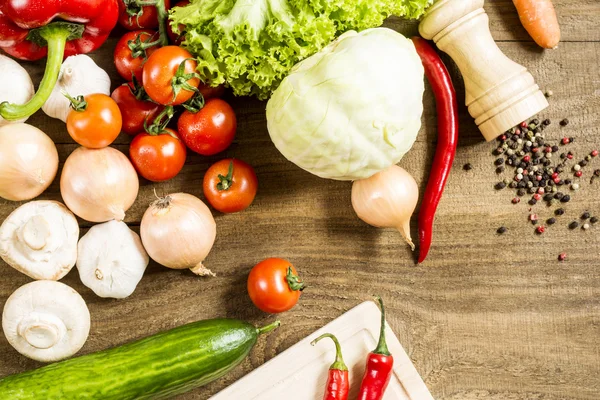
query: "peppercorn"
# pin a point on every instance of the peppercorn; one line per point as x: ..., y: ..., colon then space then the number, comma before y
x: 575, y: 186
x: 546, y: 122
x: 502, y: 230
x: 566, y: 198
x: 568, y: 181
x: 537, y: 197
x: 562, y: 256
x: 540, y: 229
x: 532, y: 202
x: 532, y: 190
x: 588, y: 158
x: 500, y: 185
x: 468, y: 166
x: 594, y: 220
x: 579, y: 174
x: 500, y: 169
x: 551, y: 221
x: 516, y: 200
x: 594, y: 153
x: 597, y: 172
x: 565, y: 141
x: 523, y: 124
x: 564, y: 122
x: 583, y: 163
x: 555, y: 149
x: 585, y: 215
x: 499, y: 161
x: 513, y: 185
x: 573, y: 225
x: 585, y: 227
x: 549, y: 93
x: 559, y: 211
x: 521, y: 192
x: 548, y: 197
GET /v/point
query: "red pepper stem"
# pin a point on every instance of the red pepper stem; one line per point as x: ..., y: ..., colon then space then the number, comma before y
x: 382, y: 345
x: 339, y: 363
x: 268, y: 328
x: 56, y: 36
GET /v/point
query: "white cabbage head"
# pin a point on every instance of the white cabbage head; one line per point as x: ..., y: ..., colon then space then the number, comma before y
x: 351, y: 110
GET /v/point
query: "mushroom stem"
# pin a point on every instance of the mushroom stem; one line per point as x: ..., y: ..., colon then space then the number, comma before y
x: 35, y: 232
x: 41, y: 330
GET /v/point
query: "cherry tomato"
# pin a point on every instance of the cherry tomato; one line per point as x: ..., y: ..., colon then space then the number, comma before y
x: 274, y: 285
x: 230, y: 185
x: 133, y: 110
x: 124, y: 58
x: 97, y: 124
x: 209, y: 92
x: 158, y: 158
x: 209, y: 131
x: 146, y: 19
x: 177, y: 38
x: 161, y: 71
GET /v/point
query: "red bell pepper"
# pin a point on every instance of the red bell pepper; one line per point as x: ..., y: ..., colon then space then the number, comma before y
x: 28, y: 32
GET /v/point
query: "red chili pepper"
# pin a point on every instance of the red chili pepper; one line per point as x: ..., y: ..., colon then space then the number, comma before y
x: 338, y: 385
x: 447, y: 110
x: 379, y: 367
x: 27, y: 32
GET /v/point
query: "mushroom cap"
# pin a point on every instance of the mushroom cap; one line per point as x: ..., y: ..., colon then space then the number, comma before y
x: 46, y: 321
x: 111, y: 259
x: 39, y: 239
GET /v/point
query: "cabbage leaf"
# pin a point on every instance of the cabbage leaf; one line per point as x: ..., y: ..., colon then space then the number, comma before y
x: 251, y: 45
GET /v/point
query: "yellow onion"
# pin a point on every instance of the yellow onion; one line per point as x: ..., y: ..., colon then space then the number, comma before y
x: 28, y: 162
x: 178, y: 231
x: 99, y: 185
x: 387, y: 200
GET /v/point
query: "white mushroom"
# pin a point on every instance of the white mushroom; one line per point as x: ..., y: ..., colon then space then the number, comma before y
x: 111, y: 260
x: 39, y: 239
x: 46, y: 321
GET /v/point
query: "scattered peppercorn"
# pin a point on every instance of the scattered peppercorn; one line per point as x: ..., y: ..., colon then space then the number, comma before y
x: 502, y: 230
x: 549, y: 197
x: 594, y: 153
x: 573, y: 225
x: 579, y: 174
x: 551, y: 221
x: 594, y: 220
x: 540, y: 229
x: 516, y: 200
x: 585, y: 215
x: 500, y: 185
x: 499, y: 161
x: 560, y: 211
x: 562, y: 256
x: 566, y: 198
x: 564, y: 122
x: 585, y: 226
x: 468, y: 166
x: 500, y: 169
x: 549, y: 93
x: 546, y: 122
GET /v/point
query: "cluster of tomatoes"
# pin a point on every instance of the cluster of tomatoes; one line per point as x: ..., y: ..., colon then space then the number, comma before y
x: 162, y: 84
x: 161, y: 78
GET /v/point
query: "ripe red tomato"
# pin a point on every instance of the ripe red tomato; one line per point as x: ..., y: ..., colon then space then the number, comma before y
x: 274, y: 285
x: 209, y: 131
x: 161, y: 71
x: 177, y: 38
x: 133, y: 110
x: 158, y: 158
x: 97, y: 124
x: 230, y: 185
x: 125, y: 61
x: 146, y: 19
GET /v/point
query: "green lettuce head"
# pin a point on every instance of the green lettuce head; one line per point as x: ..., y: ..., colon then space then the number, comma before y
x: 251, y: 45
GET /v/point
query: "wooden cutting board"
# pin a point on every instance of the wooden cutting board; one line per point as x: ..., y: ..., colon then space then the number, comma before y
x: 300, y: 372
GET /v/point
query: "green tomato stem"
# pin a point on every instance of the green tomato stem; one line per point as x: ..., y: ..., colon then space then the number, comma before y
x: 225, y: 182
x: 162, y: 15
x: 56, y: 36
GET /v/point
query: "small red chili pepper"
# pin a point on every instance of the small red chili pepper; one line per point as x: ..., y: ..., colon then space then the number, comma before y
x: 379, y: 367
x: 338, y: 384
x: 447, y: 110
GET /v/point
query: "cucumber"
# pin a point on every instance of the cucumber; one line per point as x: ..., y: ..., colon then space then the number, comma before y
x: 157, y: 367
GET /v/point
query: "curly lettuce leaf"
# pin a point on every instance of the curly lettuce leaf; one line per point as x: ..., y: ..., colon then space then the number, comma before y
x: 251, y: 45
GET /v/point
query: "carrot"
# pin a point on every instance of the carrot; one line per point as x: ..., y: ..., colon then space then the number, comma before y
x: 539, y: 19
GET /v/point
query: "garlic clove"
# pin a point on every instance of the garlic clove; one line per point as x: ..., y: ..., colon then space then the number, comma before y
x: 46, y: 321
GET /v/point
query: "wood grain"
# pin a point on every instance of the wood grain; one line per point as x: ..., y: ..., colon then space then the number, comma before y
x: 486, y: 317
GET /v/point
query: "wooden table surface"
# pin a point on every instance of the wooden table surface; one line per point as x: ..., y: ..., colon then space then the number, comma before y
x: 486, y: 317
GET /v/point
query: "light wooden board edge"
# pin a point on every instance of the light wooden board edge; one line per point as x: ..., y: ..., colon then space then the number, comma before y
x: 365, y: 316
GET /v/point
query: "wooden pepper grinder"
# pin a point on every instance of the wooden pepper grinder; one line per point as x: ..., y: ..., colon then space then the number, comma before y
x: 500, y: 93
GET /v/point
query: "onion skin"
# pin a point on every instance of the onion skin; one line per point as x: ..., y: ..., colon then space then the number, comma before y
x: 178, y: 231
x: 28, y: 162
x: 99, y: 185
x: 387, y: 200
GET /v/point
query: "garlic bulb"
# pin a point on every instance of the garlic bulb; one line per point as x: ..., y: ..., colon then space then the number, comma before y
x: 46, y: 321
x: 98, y: 184
x: 111, y: 260
x: 39, y: 239
x: 15, y: 85
x: 28, y: 162
x: 79, y: 76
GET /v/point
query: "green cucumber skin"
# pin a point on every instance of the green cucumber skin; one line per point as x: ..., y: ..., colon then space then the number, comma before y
x: 157, y: 367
